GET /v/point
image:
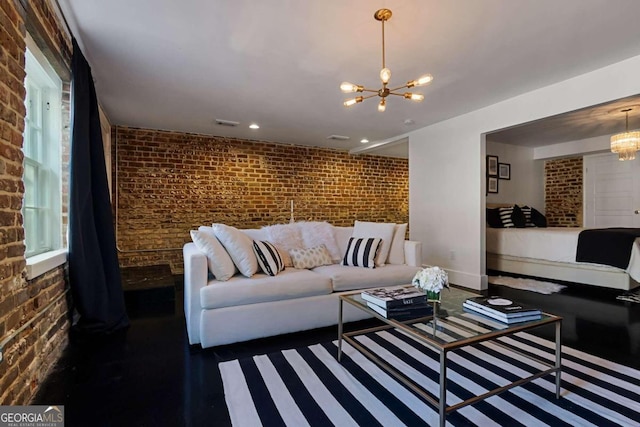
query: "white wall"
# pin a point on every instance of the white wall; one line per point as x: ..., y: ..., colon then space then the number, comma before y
x: 447, y: 166
x: 526, y: 186
x: 595, y: 145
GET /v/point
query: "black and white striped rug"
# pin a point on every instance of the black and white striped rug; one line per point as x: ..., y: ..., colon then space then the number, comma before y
x: 307, y: 386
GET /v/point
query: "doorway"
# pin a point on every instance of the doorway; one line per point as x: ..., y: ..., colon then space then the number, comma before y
x: 611, y: 191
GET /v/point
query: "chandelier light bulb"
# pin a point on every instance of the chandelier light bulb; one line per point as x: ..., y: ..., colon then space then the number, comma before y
x: 414, y: 96
x: 426, y: 79
x: 347, y: 87
x: 385, y: 75
x: 352, y: 101
x: 382, y: 105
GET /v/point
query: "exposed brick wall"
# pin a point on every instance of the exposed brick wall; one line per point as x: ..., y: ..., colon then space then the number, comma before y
x: 169, y: 183
x: 29, y: 356
x: 563, y: 187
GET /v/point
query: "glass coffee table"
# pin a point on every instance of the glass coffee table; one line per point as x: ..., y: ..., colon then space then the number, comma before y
x: 432, y: 331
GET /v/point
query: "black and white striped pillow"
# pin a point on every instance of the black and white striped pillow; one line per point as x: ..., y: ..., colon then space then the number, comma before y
x: 361, y: 252
x: 269, y: 259
x: 526, y: 210
x: 506, y: 217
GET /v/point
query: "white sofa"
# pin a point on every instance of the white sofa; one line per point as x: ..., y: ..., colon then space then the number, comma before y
x: 245, y: 308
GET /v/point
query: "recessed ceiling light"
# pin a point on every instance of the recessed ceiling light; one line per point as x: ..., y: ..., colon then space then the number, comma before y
x: 254, y: 126
x: 364, y: 140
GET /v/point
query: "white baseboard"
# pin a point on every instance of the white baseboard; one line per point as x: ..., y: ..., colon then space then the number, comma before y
x: 477, y: 282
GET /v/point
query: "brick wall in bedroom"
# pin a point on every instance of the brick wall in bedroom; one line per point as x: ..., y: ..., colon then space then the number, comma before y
x: 169, y: 183
x: 563, y: 192
x: 27, y: 358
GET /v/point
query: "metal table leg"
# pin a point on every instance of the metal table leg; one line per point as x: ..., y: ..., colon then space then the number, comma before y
x: 558, y: 357
x: 340, y: 306
x: 443, y: 387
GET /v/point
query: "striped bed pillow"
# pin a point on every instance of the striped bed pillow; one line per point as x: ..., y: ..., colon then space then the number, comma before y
x: 361, y: 252
x: 526, y: 210
x: 505, y: 217
x: 269, y: 258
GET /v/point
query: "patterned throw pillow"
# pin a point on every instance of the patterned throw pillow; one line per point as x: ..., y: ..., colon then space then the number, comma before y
x: 505, y: 217
x: 310, y: 258
x: 512, y: 217
x: 493, y: 218
x: 526, y: 210
x: 361, y: 252
x: 537, y: 218
x: 269, y: 258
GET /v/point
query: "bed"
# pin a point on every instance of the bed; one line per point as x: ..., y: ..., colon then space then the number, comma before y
x: 551, y: 253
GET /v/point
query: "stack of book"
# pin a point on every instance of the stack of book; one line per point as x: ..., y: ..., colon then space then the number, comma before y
x: 398, y: 302
x: 502, y: 309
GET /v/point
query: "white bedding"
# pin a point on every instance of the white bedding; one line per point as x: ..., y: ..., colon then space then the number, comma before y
x: 551, y: 244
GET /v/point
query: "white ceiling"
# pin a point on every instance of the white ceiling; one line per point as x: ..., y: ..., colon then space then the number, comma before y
x: 179, y: 65
x: 597, y: 120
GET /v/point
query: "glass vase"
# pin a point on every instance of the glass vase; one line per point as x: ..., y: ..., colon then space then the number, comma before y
x: 433, y: 297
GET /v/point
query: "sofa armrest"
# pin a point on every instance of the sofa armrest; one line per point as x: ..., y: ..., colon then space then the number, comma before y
x: 195, y: 278
x: 413, y: 253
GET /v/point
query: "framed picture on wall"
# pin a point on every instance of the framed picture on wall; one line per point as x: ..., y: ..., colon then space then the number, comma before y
x: 492, y: 184
x: 492, y: 165
x: 504, y: 170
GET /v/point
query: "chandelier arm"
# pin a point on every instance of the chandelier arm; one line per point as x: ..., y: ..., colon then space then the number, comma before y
x: 397, y: 94
x: 369, y: 90
x: 398, y: 88
x: 370, y: 96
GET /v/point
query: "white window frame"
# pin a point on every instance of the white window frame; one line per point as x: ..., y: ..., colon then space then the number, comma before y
x: 44, y: 157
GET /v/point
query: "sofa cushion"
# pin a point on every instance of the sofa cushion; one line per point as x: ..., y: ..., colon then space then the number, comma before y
x: 289, y: 284
x: 312, y: 257
x: 269, y: 258
x: 218, y: 260
x: 361, y: 252
x: 348, y: 278
x: 383, y: 230
x: 240, y: 248
x: 396, y: 253
x: 342, y: 235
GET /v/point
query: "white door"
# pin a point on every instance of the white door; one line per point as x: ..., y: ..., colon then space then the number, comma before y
x: 612, y: 191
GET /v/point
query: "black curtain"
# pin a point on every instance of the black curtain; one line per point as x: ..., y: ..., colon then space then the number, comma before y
x: 94, y: 273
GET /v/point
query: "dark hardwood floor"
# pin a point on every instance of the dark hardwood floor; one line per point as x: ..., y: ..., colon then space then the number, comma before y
x: 150, y: 376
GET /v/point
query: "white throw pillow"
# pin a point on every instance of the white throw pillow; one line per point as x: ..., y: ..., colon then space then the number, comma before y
x: 320, y: 233
x: 218, y: 260
x: 383, y: 230
x: 240, y: 248
x: 396, y: 254
x: 285, y: 236
x: 342, y: 235
x: 269, y: 258
x: 361, y: 252
x: 255, y: 233
x: 311, y: 257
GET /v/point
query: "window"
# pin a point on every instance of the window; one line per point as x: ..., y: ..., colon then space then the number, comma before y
x: 41, y: 207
